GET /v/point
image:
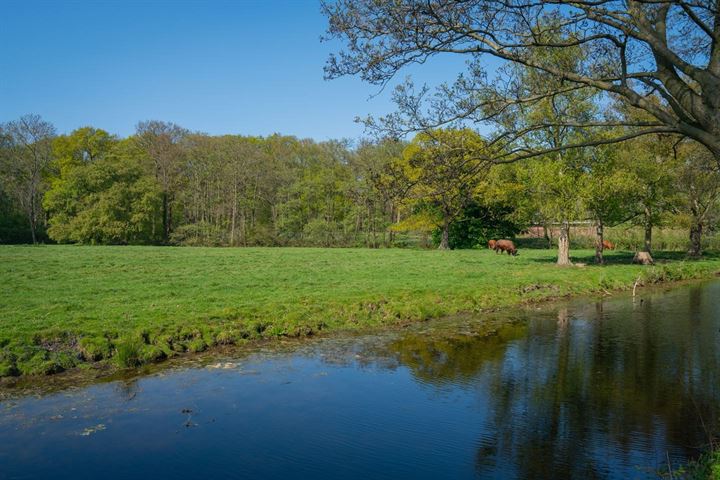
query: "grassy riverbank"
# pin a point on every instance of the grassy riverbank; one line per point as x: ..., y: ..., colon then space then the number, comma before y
x: 66, y: 306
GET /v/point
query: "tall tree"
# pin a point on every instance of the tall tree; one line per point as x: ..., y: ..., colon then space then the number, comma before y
x: 553, y: 189
x: 28, y: 154
x: 560, y: 116
x: 82, y: 146
x: 443, y: 173
x: 661, y: 57
x: 376, y: 191
x: 13, y: 221
x: 698, y: 180
x: 68, y: 188
x: 651, y: 165
x: 162, y: 141
x: 111, y: 200
x: 608, y: 193
x: 317, y: 203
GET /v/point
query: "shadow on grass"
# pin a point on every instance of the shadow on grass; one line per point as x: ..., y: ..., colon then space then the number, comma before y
x: 614, y: 257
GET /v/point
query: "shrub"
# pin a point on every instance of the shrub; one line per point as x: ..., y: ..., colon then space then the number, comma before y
x: 128, y: 352
x: 8, y: 369
x: 61, y: 361
x: 226, y: 337
x: 477, y: 224
x: 199, y: 234
x: 94, y: 348
x: 46, y: 363
x: 151, y: 353
x: 197, y: 345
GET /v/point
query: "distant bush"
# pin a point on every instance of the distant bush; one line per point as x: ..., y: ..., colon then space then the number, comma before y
x: 199, y: 234
x: 321, y: 233
x: 14, y: 229
x: 479, y: 223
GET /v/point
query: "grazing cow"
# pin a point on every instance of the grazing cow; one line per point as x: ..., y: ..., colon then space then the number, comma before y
x: 608, y: 245
x: 491, y: 244
x: 505, y: 246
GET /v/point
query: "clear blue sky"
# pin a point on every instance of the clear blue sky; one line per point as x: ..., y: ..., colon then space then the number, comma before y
x: 244, y: 67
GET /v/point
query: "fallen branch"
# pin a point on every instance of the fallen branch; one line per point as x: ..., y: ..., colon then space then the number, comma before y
x: 636, y: 284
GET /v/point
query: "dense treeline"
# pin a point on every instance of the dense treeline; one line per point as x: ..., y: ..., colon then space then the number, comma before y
x: 167, y: 185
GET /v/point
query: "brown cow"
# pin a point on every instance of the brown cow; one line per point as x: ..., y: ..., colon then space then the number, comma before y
x: 491, y: 244
x: 505, y: 246
x: 608, y: 245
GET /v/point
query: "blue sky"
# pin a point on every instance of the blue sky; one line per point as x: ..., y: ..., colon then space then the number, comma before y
x: 242, y: 67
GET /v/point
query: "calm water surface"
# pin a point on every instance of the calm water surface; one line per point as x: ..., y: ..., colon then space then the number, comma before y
x: 590, y: 389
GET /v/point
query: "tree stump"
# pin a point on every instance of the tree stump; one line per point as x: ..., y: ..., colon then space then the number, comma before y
x: 643, y: 258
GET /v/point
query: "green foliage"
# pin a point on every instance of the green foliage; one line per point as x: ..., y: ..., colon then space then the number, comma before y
x: 199, y: 234
x: 81, y: 147
x: 8, y: 363
x: 94, y: 348
x: 649, y: 162
x: 479, y: 223
x: 8, y: 369
x: 109, y: 200
x: 707, y: 467
x: 226, y: 337
x: 25, y: 158
x: 244, y: 191
x: 14, y: 226
x: 166, y: 185
x: 609, y: 190
x: 42, y: 362
x: 128, y: 352
x: 197, y: 345
x: 151, y: 353
x: 442, y: 168
x: 629, y: 237
x: 317, y: 202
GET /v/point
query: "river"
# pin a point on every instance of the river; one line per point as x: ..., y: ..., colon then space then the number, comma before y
x: 589, y: 388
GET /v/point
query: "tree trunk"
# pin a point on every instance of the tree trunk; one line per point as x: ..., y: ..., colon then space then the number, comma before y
x: 233, y: 216
x: 32, y: 233
x: 695, y: 239
x: 372, y: 226
x: 32, y: 220
x: 166, y: 231
x: 169, y: 218
x: 547, y: 234
x: 599, y: 229
x: 243, y: 228
x: 391, y: 233
x: 645, y: 257
x: 564, y: 245
x: 445, y: 241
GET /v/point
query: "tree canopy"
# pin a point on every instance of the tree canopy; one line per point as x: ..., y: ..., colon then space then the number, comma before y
x: 658, y: 57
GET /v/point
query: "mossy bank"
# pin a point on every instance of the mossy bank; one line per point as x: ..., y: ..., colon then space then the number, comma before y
x: 63, y: 307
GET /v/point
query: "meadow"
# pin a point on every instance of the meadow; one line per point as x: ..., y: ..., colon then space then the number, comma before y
x: 68, y: 306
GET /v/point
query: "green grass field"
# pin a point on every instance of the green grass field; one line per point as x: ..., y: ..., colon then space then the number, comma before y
x: 62, y: 306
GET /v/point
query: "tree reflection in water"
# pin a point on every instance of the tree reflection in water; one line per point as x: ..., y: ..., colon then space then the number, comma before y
x: 586, y: 391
